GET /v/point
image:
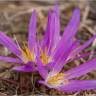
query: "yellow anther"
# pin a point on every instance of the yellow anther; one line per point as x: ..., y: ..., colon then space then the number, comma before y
x: 44, y: 56
x: 27, y: 55
x: 57, y: 80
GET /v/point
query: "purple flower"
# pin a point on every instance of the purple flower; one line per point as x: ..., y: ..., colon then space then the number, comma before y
x: 61, y: 50
x: 53, y: 48
x: 26, y: 56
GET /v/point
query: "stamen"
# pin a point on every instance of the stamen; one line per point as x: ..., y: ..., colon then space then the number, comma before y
x: 44, y: 56
x: 57, y: 80
x: 17, y: 43
x: 27, y: 55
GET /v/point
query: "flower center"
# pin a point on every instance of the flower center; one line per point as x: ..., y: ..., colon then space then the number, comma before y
x: 44, y: 56
x: 57, y: 80
x: 27, y: 55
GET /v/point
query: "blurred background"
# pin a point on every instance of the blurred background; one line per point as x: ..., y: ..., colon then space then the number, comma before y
x: 14, y: 18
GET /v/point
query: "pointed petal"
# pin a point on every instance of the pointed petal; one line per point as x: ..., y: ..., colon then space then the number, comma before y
x: 10, y: 59
x: 81, y: 69
x: 32, y: 31
x: 81, y: 56
x: 76, y: 44
x: 23, y: 68
x: 41, y: 69
x: 62, y: 60
x: 45, y: 42
x: 29, y: 67
x: 68, y: 35
x: 56, y: 25
x: 82, y: 47
x: 78, y: 85
x: 8, y: 42
x: 52, y: 30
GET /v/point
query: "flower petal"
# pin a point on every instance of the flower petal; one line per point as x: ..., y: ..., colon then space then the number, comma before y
x: 45, y: 42
x: 67, y: 38
x: 41, y: 69
x: 81, y: 69
x: 32, y: 31
x: 52, y: 30
x: 74, y: 85
x: 82, y: 47
x: 25, y: 68
x: 78, y: 85
x: 80, y: 56
x: 62, y: 60
x: 8, y: 42
x: 10, y: 59
x: 56, y: 24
